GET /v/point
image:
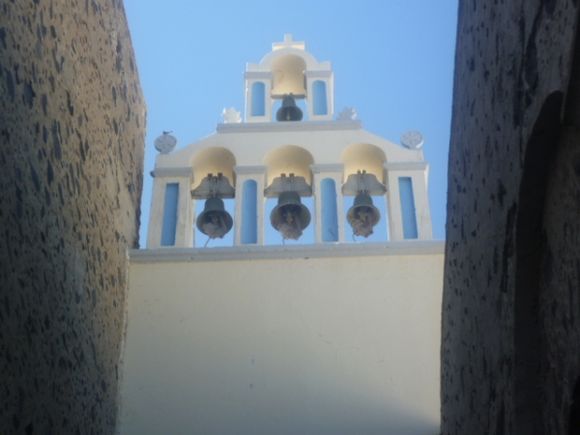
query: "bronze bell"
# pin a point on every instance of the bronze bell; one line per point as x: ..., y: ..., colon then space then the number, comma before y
x: 290, y: 216
x: 363, y: 215
x: 289, y: 111
x: 214, y: 221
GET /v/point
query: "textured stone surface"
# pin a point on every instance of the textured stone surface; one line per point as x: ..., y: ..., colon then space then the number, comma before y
x: 71, y: 146
x: 511, y: 303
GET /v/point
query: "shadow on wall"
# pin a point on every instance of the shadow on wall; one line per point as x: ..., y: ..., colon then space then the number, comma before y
x: 279, y: 407
x: 301, y: 355
x: 530, y: 251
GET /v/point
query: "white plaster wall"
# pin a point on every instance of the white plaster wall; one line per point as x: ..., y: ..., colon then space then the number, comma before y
x: 251, y: 142
x: 346, y: 345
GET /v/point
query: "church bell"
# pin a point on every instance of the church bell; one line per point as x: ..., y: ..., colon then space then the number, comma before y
x: 290, y: 216
x: 214, y: 221
x: 289, y: 111
x: 363, y: 215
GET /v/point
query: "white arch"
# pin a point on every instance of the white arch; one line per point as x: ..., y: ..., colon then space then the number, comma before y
x: 213, y: 160
x: 288, y: 159
x: 309, y: 60
x: 364, y: 156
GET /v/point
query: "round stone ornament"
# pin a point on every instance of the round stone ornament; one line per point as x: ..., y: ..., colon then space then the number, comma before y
x: 165, y: 143
x: 412, y: 140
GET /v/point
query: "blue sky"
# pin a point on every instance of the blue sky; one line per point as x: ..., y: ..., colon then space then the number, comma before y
x: 392, y: 62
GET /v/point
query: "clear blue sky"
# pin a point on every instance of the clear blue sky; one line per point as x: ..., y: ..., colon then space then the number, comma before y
x: 392, y: 62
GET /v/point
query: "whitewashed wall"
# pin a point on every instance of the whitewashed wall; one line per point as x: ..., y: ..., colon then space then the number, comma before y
x: 318, y: 345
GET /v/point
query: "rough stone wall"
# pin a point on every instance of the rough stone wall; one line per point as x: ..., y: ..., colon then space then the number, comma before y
x: 71, y: 149
x: 511, y: 303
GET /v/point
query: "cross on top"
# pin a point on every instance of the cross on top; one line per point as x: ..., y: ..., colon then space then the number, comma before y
x: 288, y: 42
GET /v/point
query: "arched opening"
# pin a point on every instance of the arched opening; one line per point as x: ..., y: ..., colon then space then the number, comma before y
x: 288, y: 76
x: 249, y: 212
x: 319, y: 99
x: 288, y: 170
x: 408, y: 213
x: 362, y: 156
x: 258, y: 99
x: 289, y: 159
x: 329, y: 210
x: 213, y: 161
x: 530, y: 247
x: 170, y: 205
x: 364, y: 174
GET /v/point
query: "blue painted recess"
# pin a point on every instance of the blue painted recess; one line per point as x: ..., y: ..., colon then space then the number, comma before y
x: 329, y: 211
x: 319, y: 98
x: 170, y: 214
x: 408, y: 208
x: 258, y: 99
x: 250, y: 212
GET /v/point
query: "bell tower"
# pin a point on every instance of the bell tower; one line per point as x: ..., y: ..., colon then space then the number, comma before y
x: 290, y: 156
x: 289, y: 69
x: 290, y: 282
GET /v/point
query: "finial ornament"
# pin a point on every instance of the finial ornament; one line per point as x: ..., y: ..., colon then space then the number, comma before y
x: 412, y: 140
x: 231, y: 116
x: 347, y: 114
x: 165, y: 143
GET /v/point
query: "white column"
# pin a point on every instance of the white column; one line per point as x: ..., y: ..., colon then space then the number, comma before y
x: 394, y: 204
x: 184, y: 230
x: 258, y: 174
x: 309, y: 98
x: 269, y: 103
x: 334, y: 172
x: 156, y: 214
x: 421, y: 192
x: 193, y: 218
x: 330, y: 95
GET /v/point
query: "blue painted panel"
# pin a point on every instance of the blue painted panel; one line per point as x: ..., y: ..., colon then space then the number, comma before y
x: 170, y: 214
x: 250, y: 212
x: 408, y: 208
x: 319, y: 98
x: 329, y: 211
x: 258, y: 99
